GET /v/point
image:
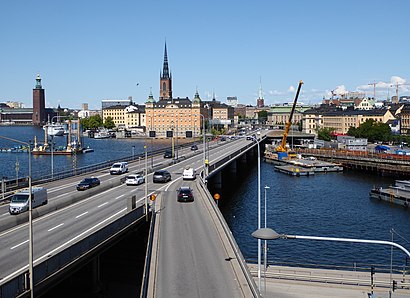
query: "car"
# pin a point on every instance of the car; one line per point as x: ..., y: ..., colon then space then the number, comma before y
x: 184, y: 194
x: 189, y: 174
x: 88, y: 183
x: 19, y: 202
x: 194, y: 147
x: 161, y: 176
x: 168, y: 154
x: 223, y: 139
x: 135, y: 179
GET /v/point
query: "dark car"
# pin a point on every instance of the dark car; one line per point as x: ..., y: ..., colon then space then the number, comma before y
x: 161, y: 176
x: 185, y: 194
x: 194, y: 147
x: 168, y: 154
x: 87, y: 183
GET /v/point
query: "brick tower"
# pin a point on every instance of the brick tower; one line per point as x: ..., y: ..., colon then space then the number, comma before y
x: 165, y: 82
x: 39, y: 103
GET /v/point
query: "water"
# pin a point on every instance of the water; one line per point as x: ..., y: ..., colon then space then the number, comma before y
x: 104, y: 150
x: 329, y: 205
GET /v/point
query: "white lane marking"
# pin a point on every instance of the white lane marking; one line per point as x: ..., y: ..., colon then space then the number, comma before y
x: 57, y: 226
x: 4, y: 214
x: 118, y: 197
x: 102, y: 204
x: 78, y: 216
x: 24, y: 242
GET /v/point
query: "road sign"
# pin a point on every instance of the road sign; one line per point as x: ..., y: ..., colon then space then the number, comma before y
x: 217, y: 196
x: 152, y: 197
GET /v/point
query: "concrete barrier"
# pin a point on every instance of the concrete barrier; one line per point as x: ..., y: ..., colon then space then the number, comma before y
x: 53, y: 205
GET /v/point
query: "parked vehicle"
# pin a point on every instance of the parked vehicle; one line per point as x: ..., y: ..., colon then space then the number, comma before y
x: 119, y: 168
x: 168, y: 154
x: 135, y: 179
x: 88, y: 183
x: 189, y: 174
x: 185, y: 194
x: 194, y: 147
x: 161, y: 176
x: 19, y: 202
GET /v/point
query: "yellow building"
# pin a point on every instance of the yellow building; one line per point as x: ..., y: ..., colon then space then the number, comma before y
x: 127, y: 117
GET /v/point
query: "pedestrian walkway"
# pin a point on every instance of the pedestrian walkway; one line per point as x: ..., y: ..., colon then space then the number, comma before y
x: 296, y: 282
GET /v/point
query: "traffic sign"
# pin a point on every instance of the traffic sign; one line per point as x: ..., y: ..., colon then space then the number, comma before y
x: 152, y: 197
x: 217, y: 196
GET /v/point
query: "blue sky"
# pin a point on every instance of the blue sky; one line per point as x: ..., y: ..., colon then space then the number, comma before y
x: 86, y: 51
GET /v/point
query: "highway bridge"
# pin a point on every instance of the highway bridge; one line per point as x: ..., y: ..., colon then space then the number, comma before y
x: 191, y: 250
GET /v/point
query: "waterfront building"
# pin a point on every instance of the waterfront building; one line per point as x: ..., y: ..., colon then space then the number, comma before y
x: 341, y: 120
x: 127, y: 117
x: 405, y: 120
x: 106, y: 103
x: 279, y: 115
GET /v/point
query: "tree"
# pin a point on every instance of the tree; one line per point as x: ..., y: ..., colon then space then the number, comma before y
x: 372, y: 131
x: 263, y: 116
x: 325, y: 134
x: 109, y: 123
x: 92, y: 122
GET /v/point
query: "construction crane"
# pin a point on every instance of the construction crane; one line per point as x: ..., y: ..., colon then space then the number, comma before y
x: 374, y: 89
x: 397, y: 90
x: 282, y: 146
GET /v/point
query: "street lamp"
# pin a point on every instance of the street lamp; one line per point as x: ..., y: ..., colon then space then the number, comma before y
x: 203, y: 139
x: 146, y: 183
x: 52, y: 156
x: 133, y: 151
x: 30, y: 218
x: 265, y: 244
x: 259, y: 215
x: 269, y: 234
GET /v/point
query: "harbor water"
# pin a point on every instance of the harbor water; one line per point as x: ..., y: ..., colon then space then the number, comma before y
x: 326, y: 205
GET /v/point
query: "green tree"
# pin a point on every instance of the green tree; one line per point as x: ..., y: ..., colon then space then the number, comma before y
x: 325, y: 134
x: 263, y: 116
x: 109, y: 123
x: 372, y: 131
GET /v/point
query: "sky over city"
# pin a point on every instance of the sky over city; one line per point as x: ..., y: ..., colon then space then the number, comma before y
x: 87, y: 51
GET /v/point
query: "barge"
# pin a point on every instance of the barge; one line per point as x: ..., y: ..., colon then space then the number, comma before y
x: 398, y: 194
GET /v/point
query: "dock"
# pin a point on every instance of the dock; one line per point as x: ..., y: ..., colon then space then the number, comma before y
x: 295, y: 170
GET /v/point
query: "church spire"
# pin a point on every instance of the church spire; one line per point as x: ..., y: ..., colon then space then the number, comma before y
x: 165, y: 69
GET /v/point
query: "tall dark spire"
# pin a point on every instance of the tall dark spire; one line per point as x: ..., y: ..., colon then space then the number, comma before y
x: 165, y: 69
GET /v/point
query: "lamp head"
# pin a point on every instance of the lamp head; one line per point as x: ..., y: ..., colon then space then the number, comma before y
x: 265, y: 234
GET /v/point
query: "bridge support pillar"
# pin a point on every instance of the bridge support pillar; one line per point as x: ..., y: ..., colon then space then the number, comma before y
x: 217, y: 180
x: 96, y: 282
x: 131, y: 202
x: 232, y: 169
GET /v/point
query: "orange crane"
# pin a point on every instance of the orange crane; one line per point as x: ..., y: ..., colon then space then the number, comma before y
x: 282, y: 146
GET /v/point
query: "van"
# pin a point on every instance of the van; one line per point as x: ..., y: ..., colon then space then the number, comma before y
x: 19, y: 202
x: 189, y: 174
x: 119, y: 168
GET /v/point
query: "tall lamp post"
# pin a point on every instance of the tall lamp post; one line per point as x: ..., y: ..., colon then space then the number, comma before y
x: 259, y: 214
x: 265, y: 248
x: 269, y: 234
x: 52, y: 156
x: 203, y: 139
x: 30, y: 218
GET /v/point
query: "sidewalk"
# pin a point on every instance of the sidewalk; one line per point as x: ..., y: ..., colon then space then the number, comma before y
x: 293, y: 282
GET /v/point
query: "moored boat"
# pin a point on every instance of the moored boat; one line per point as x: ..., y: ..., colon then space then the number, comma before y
x: 398, y: 194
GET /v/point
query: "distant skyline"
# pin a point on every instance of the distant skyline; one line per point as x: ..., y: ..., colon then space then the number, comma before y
x: 87, y: 51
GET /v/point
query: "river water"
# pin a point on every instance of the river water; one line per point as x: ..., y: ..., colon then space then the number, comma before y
x: 327, y: 205
x: 330, y: 205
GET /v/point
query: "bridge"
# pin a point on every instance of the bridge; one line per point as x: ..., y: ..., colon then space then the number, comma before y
x: 191, y: 250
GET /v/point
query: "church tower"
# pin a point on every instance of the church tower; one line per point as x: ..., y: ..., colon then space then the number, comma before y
x: 39, y: 103
x: 165, y: 82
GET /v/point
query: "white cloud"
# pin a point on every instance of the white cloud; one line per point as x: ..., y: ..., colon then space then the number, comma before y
x: 339, y: 90
x: 291, y: 89
x: 397, y: 80
x: 274, y: 92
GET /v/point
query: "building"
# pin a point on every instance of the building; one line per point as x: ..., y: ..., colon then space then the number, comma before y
x: 232, y: 101
x: 279, y: 115
x: 128, y: 117
x: 260, y: 102
x: 106, y: 103
x: 165, y: 80
x: 39, y: 116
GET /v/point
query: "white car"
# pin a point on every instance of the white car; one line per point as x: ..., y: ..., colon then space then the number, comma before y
x: 135, y: 179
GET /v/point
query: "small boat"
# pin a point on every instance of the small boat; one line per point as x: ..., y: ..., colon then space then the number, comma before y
x: 55, y: 129
x: 398, y: 194
x: 102, y: 135
x: 88, y: 150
